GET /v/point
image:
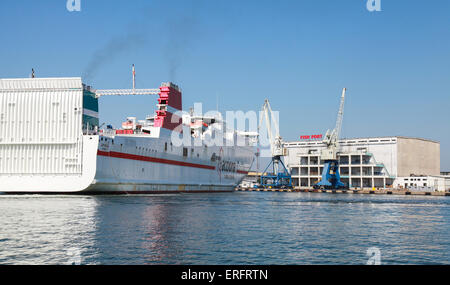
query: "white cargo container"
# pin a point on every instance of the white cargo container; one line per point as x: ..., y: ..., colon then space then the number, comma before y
x: 41, y: 136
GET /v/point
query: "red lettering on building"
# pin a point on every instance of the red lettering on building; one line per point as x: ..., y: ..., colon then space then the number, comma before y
x: 311, y: 137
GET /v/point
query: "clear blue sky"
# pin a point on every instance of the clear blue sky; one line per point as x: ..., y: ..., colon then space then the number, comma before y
x: 299, y: 54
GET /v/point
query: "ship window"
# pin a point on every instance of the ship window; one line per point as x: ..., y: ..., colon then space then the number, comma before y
x: 165, y: 146
x: 185, y: 151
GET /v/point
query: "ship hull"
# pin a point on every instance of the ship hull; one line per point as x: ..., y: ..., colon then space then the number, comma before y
x: 126, y: 169
x: 142, y: 173
x: 60, y: 148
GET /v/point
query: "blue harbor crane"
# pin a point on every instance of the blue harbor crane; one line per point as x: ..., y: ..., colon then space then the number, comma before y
x: 279, y: 177
x: 330, y: 174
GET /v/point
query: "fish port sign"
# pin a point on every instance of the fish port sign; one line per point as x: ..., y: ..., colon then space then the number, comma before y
x: 311, y: 137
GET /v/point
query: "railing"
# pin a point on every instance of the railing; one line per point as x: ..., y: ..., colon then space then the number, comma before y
x: 123, y: 92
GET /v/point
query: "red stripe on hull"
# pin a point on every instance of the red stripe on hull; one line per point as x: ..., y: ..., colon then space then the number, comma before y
x: 153, y: 159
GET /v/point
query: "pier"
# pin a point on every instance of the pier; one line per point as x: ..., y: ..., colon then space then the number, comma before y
x: 351, y: 191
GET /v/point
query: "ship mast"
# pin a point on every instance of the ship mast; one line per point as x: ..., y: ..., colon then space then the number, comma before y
x: 123, y: 92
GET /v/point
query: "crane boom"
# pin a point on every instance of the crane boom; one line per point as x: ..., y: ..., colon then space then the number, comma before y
x: 330, y: 174
x: 340, y: 115
x: 274, y: 135
x: 122, y: 92
x: 332, y: 137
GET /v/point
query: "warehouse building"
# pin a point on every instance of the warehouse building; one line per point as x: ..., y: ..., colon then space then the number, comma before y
x: 423, y: 183
x: 382, y: 162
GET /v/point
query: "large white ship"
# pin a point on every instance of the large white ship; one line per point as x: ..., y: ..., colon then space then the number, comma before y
x: 51, y: 142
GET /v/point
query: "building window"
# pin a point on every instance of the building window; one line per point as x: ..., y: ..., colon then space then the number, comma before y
x: 304, y: 171
x: 304, y: 160
x: 356, y: 159
x: 343, y: 160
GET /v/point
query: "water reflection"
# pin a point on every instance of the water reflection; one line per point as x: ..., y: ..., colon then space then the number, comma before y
x: 41, y: 229
x: 137, y: 229
x: 233, y: 228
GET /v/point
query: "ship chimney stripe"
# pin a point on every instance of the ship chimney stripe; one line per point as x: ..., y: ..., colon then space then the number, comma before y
x: 173, y: 97
x: 170, y: 96
x: 174, y: 105
x: 169, y: 121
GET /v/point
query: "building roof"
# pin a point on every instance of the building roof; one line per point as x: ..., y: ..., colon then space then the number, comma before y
x: 366, y: 139
x: 416, y: 138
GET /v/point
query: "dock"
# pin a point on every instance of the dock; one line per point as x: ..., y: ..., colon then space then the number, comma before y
x: 351, y: 191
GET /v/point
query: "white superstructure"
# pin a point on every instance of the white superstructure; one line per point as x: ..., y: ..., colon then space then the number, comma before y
x: 50, y: 142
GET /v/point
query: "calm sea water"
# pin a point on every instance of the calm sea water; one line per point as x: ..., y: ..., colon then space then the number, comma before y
x: 230, y: 228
